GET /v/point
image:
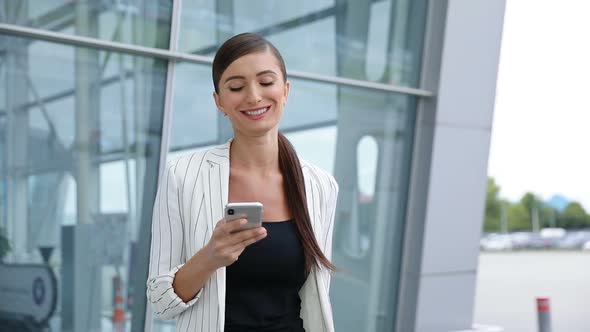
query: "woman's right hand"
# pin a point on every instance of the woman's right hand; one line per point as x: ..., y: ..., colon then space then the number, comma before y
x: 227, y: 243
x: 224, y: 248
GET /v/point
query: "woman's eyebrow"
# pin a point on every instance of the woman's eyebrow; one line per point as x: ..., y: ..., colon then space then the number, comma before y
x: 239, y: 77
x: 264, y: 72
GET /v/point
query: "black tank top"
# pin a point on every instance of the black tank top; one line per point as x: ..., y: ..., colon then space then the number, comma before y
x: 262, y: 289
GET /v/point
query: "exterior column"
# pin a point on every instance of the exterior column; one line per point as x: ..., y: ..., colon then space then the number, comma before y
x: 87, y: 116
x: 17, y: 136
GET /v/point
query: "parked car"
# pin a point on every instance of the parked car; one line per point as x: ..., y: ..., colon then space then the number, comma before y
x: 539, y: 242
x: 552, y: 233
x: 495, y: 242
x: 521, y: 240
x: 547, y: 238
x: 574, y: 240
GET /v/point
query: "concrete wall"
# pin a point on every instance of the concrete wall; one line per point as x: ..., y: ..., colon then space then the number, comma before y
x: 448, y: 185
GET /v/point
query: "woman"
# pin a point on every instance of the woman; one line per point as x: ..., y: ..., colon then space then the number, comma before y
x: 270, y: 278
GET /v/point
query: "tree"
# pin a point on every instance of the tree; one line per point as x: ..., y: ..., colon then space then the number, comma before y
x: 573, y: 216
x: 546, y: 213
x: 529, y: 201
x: 493, y: 207
x: 547, y: 216
x: 518, y: 218
x: 519, y: 214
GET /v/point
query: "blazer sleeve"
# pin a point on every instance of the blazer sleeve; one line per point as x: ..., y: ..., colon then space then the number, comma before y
x: 330, y: 214
x: 167, y: 254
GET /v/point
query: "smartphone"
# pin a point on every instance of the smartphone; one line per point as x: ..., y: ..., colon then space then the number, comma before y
x: 249, y: 210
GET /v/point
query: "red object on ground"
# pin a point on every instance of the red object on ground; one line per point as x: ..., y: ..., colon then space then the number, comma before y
x: 119, y: 313
x: 543, y: 304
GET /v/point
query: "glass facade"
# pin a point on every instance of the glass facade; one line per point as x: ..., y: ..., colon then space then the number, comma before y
x: 145, y: 23
x: 81, y: 130
x: 373, y: 40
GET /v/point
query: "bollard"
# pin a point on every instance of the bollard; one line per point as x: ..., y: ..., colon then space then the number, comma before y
x: 544, y: 314
x: 119, y: 312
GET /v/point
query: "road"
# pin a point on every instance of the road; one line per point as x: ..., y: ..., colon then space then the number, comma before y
x: 509, y: 282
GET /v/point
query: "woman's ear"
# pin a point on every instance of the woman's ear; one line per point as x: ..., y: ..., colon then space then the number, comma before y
x: 287, y: 89
x: 218, y: 103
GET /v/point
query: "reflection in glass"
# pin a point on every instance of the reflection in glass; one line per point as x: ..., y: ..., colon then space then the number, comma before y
x: 80, y: 132
x: 198, y: 24
x: 372, y: 174
x: 367, y: 157
x: 366, y: 40
x: 363, y: 193
x: 194, y: 114
x: 140, y: 22
x: 377, y: 40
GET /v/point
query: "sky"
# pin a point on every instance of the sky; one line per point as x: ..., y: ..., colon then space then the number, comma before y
x: 540, y: 134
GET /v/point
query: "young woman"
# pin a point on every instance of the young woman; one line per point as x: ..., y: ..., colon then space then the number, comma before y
x: 270, y: 278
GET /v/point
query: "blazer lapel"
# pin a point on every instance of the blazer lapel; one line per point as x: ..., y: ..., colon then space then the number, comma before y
x: 313, y: 204
x: 317, y: 292
x: 218, y: 160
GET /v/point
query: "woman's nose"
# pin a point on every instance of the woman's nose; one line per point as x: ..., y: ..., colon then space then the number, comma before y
x: 253, y: 96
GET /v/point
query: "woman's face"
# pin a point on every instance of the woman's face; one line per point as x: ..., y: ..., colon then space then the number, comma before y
x: 253, y: 93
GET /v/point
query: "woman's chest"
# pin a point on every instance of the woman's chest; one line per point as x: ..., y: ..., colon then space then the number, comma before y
x: 270, y: 192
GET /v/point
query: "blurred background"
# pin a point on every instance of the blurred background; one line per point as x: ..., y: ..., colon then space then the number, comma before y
x: 536, y: 240
x: 395, y: 98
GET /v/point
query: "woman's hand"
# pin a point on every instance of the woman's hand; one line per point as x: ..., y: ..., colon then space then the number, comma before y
x: 227, y: 243
x: 224, y: 248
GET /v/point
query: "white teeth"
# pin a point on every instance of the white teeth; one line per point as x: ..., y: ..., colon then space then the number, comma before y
x: 258, y: 112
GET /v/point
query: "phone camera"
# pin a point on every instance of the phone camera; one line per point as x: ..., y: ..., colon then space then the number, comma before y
x: 230, y: 211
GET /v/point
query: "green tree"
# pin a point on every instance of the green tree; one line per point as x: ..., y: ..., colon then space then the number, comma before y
x: 547, y: 214
x: 573, y: 216
x: 529, y: 201
x: 518, y: 217
x: 493, y: 207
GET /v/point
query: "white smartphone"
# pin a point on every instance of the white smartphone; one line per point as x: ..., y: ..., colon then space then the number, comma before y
x: 249, y: 210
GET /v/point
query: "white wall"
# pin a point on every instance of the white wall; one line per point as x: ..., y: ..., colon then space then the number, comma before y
x: 448, y: 186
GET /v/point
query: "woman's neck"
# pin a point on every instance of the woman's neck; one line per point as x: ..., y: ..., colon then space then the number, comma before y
x: 255, y: 154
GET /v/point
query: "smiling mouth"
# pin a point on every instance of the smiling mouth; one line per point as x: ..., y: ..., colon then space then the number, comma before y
x: 257, y: 112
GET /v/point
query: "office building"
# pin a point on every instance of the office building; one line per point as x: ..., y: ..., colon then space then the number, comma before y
x: 395, y: 98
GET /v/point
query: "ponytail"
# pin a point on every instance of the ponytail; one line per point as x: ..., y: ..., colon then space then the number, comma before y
x: 294, y: 186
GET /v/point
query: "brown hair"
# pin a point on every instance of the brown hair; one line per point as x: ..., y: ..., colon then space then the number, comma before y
x: 294, y: 185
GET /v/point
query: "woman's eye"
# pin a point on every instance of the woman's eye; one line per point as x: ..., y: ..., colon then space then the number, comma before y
x: 238, y: 88
x: 267, y: 83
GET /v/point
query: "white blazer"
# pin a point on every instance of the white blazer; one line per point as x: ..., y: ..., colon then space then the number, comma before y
x: 190, y: 201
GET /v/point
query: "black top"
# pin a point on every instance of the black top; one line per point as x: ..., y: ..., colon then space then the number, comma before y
x: 262, y: 289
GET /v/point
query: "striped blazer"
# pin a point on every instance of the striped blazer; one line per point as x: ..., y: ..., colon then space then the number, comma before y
x: 190, y: 201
